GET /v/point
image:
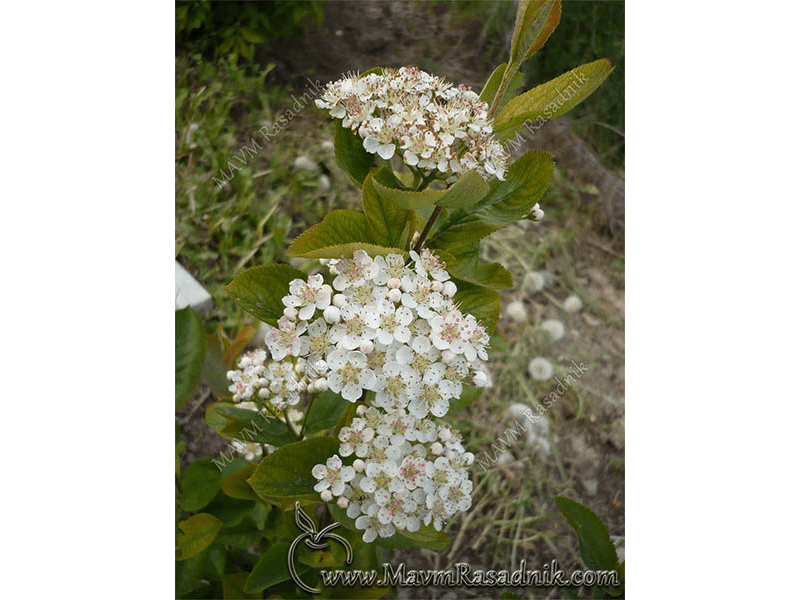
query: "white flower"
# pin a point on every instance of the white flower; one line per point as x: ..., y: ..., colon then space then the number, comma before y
x: 446, y: 329
x: 553, y: 327
x: 398, y: 427
x: 384, y: 150
x: 250, y: 450
x: 332, y: 475
x: 359, y: 500
x: 396, y: 508
x: 380, y: 480
x: 354, y: 327
x: 412, y: 471
x: 349, y: 374
x: 419, y: 295
x: 438, y: 513
x: 472, y: 341
x: 372, y: 526
x: 355, y: 439
x: 537, y: 214
x: 285, y: 339
x: 391, y: 266
x: 390, y: 323
x: 310, y: 295
x: 427, y: 263
x: 283, y: 385
x: 396, y: 382
x: 432, y: 398
x: 573, y: 304
x: 540, y: 369
x: 353, y: 271
x: 419, y: 356
x: 457, y: 497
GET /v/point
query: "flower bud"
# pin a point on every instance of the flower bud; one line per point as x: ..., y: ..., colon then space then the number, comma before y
x: 290, y: 313
x: 448, y: 356
x: 361, y: 410
x: 339, y: 300
x: 437, y: 448
x: 342, y: 502
x: 437, y: 286
x: 326, y: 495
x: 320, y: 366
x: 480, y: 379
x: 366, y: 346
x: 263, y: 393
x: 321, y: 384
x: 449, y: 289
x: 359, y: 465
x: 393, y: 283
x: 394, y: 295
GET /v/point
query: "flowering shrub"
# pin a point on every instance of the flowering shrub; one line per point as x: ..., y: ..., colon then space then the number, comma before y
x: 384, y: 335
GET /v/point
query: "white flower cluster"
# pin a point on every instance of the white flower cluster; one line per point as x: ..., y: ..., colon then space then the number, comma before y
x: 435, y: 125
x: 407, y: 472
x: 275, y: 380
x: 391, y: 328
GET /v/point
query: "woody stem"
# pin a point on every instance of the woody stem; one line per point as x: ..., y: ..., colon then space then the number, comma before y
x: 427, y: 228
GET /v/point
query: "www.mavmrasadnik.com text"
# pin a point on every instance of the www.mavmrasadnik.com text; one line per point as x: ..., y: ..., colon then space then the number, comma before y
x: 462, y: 575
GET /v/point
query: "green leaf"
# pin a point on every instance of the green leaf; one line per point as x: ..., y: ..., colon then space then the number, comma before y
x: 467, y: 268
x: 596, y: 548
x: 481, y: 302
x: 188, y: 573
x: 553, y: 19
x: 271, y: 568
x: 229, y: 510
x: 195, y: 534
x: 350, y: 154
x: 242, y: 535
x: 333, y: 556
x: 190, y: 351
x: 233, y: 586
x: 511, y: 200
x: 201, y: 482
x: 533, y: 18
x: 214, y: 371
x: 235, y: 485
x: 493, y: 84
x: 251, y: 36
x: 389, y: 225
x: 326, y: 410
x: 507, y: 202
x: 246, y: 425
x: 425, y: 537
x: 552, y: 98
x: 285, y: 475
x: 406, y: 199
x: 340, y: 233
x: 214, y: 563
x: 259, y: 290
x: 468, y: 190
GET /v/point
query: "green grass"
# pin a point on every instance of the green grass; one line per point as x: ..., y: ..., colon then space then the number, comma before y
x: 223, y: 229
